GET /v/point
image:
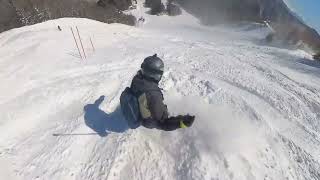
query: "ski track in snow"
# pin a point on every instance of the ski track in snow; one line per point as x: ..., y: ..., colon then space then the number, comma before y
x: 257, y: 107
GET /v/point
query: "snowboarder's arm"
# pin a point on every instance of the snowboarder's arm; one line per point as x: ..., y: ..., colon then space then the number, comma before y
x: 158, y: 109
x: 177, y: 122
x: 159, y: 113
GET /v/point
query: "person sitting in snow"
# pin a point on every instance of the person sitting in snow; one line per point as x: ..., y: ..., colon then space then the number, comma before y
x: 141, y: 19
x: 153, y: 113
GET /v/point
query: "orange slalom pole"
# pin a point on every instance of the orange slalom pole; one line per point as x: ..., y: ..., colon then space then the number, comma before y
x: 74, y: 37
x: 81, y: 43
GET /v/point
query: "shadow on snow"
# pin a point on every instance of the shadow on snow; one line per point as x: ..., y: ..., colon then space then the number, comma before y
x: 103, y: 123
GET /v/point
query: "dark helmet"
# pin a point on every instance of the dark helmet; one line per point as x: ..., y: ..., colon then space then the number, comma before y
x: 152, y: 67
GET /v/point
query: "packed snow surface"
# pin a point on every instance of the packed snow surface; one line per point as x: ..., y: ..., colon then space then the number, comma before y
x: 257, y: 107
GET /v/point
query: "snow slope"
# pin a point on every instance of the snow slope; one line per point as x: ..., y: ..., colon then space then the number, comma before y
x: 257, y: 107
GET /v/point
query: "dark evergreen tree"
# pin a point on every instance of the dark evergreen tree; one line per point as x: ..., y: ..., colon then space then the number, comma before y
x: 317, y: 56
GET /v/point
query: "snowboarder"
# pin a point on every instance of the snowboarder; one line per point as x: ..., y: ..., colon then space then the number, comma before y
x: 142, y: 103
x: 141, y: 20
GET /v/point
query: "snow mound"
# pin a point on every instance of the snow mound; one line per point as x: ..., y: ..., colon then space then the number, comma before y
x: 257, y: 107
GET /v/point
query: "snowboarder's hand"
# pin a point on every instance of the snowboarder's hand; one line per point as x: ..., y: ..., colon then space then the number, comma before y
x: 188, y: 120
x: 185, y: 121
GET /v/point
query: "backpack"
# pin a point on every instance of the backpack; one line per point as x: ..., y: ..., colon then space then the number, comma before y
x: 130, y: 108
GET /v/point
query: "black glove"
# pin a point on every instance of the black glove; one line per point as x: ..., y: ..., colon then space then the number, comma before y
x: 188, y: 120
x: 184, y: 121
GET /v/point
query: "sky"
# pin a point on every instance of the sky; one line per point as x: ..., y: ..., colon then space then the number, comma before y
x: 308, y: 10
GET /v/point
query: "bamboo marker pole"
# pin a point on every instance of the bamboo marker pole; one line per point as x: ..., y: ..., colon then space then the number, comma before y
x: 81, y: 43
x: 74, y: 37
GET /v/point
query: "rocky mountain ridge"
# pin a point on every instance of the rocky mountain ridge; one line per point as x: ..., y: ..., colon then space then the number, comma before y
x: 17, y: 13
x: 284, y: 22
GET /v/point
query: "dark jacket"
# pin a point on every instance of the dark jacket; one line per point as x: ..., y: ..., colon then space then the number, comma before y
x: 142, y: 85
